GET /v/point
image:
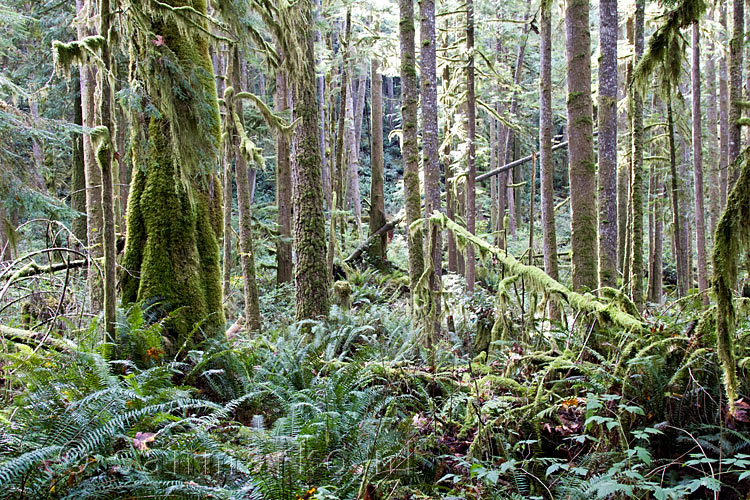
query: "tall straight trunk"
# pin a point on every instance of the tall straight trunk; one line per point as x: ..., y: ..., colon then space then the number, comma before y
x: 359, y: 110
x: 310, y: 270
x: 680, y: 253
x: 623, y: 177
x: 723, y: 113
x: 451, y: 203
x: 636, y: 169
x: 6, y: 250
x: 104, y: 157
x: 502, y: 181
x: 124, y: 169
x: 736, y: 48
x: 94, y: 216
x: 607, y: 115
x: 712, y: 143
x: 656, y: 227
x: 377, y: 250
x: 410, y: 149
x: 284, y: 265
x: 683, y: 171
x: 323, y: 136
x: 700, y: 223
x: 78, y: 175
x: 389, y: 97
x: 582, y: 169
x: 353, y: 198
x: 471, y: 137
x: 219, y: 61
x: 340, y: 184
x: 513, y: 176
x: 247, y: 255
x: 428, y: 87
x: 546, y: 165
x: 493, y: 181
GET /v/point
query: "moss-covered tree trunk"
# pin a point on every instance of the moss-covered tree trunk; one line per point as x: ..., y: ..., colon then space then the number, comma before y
x: 104, y: 155
x: 377, y: 250
x: 171, y: 260
x: 607, y: 115
x: 712, y: 138
x: 471, y: 115
x: 636, y: 166
x: 546, y: 165
x: 310, y: 270
x: 284, y: 265
x: 582, y: 168
x: 353, y: 197
x: 244, y: 202
x: 430, y: 164
x: 93, y: 175
x: 700, y: 222
x: 410, y: 148
x: 78, y: 174
x: 680, y: 253
x: 736, y: 49
x: 723, y: 110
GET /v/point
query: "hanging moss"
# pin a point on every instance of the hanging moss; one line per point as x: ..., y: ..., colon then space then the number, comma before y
x: 731, y: 240
x: 171, y: 260
x: 536, y: 279
x: 81, y: 52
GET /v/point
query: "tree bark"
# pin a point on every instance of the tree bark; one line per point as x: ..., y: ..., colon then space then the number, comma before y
x: 700, y: 223
x: 354, y: 200
x: 430, y: 164
x: 736, y: 48
x: 723, y: 112
x: 680, y: 254
x: 171, y: 259
x: 546, y: 165
x: 582, y: 168
x: 244, y: 205
x: 377, y: 250
x: 78, y: 175
x: 94, y: 216
x: 636, y: 169
x: 607, y: 116
x: 410, y: 150
x: 284, y: 267
x: 311, y: 272
x: 712, y: 143
x: 471, y: 138
x: 104, y: 157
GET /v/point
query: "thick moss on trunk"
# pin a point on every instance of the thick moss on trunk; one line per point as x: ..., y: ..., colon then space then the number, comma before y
x: 174, y: 221
x: 731, y: 240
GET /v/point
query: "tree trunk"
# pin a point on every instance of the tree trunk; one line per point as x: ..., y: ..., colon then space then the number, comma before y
x: 607, y: 115
x: 471, y: 137
x: 680, y: 253
x: 736, y: 47
x: 377, y: 250
x: 219, y: 63
x: 104, y: 157
x: 723, y: 112
x: 636, y: 169
x: 311, y: 272
x: 94, y: 217
x: 244, y: 205
x: 359, y: 110
x: 354, y: 200
x: 547, y: 167
x: 410, y: 150
x: 700, y: 224
x: 389, y: 97
x: 428, y: 53
x: 78, y: 175
x: 284, y: 267
x: 581, y: 150
x: 712, y: 143
x: 171, y: 257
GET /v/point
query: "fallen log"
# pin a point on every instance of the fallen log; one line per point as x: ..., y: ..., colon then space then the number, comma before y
x: 383, y: 229
x: 34, y: 269
x: 35, y: 338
